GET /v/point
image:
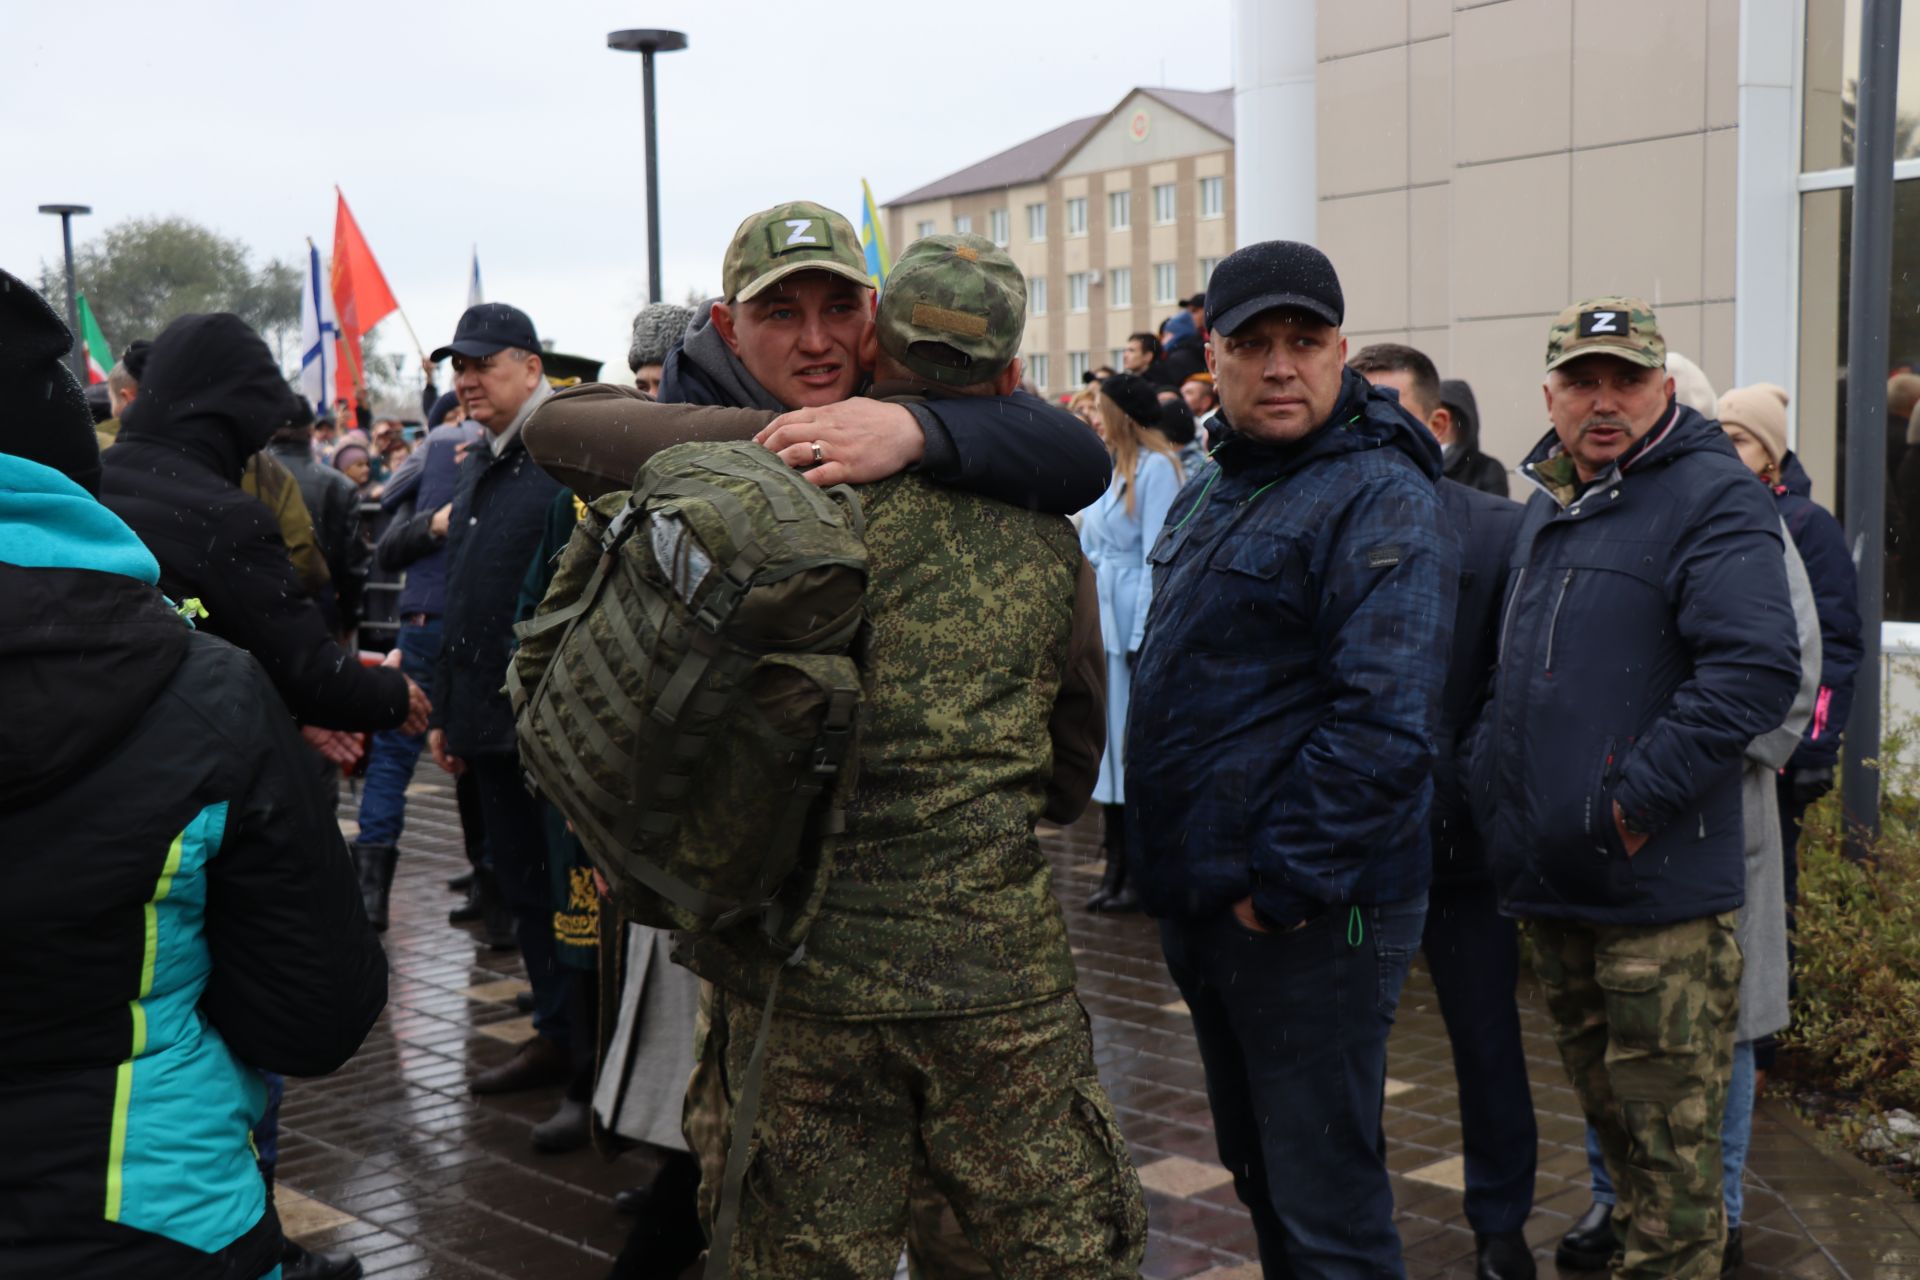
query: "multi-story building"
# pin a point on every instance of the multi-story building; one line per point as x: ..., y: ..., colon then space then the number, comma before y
x: 1114, y: 219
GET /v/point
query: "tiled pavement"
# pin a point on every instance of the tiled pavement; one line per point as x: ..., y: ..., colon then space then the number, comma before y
x: 392, y: 1158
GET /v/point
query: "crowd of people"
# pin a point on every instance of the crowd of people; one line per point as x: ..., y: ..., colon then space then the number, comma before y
x: 1420, y: 716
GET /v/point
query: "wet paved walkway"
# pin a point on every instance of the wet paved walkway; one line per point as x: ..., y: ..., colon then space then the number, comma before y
x: 392, y: 1158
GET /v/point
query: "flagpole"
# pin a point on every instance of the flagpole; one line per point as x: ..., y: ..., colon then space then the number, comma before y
x: 417, y: 348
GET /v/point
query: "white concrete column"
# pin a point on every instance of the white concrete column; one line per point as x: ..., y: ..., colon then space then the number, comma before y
x: 1276, y: 188
x: 1767, y: 199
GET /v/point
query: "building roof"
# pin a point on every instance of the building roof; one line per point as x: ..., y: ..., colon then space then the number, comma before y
x: 1036, y: 158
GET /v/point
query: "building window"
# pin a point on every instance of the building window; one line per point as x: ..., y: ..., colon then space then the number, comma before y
x: 1077, y: 291
x: 1077, y: 216
x: 1206, y: 270
x: 1036, y: 222
x: 1079, y: 364
x: 1037, y: 371
x: 1213, y: 197
x: 1037, y: 294
x: 963, y: 225
x: 921, y: 230
x: 1117, y: 358
x: 1119, y: 210
x: 1165, y: 283
x: 1120, y: 287
x: 1163, y: 203
x: 1000, y: 226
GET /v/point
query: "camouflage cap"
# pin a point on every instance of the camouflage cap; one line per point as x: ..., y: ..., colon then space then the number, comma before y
x: 1622, y: 327
x: 798, y: 236
x: 953, y: 310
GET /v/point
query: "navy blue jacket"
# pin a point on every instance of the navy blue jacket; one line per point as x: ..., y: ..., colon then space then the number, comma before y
x: 409, y: 543
x: 499, y: 514
x: 1647, y: 638
x: 1286, y: 700
x: 1836, y: 596
x: 1485, y: 525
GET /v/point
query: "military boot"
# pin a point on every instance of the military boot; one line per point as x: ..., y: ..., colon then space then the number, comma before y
x: 1116, y: 896
x: 375, y: 862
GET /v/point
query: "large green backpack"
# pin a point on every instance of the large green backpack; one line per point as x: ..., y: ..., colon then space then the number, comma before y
x: 686, y: 695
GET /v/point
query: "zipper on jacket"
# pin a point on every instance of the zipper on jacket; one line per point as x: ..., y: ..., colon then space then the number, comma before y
x: 1553, y: 623
x: 1513, y: 600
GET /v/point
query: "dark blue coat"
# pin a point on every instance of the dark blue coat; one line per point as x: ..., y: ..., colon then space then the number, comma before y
x: 1485, y: 526
x: 1286, y: 699
x: 499, y: 514
x: 1647, y: 638
x: 1836, y: 596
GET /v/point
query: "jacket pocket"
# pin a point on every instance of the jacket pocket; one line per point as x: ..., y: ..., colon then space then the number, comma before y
x: 1597, y: 816
x: 1123, y: 1206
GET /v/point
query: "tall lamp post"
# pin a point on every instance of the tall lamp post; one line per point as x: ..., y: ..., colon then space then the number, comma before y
x: 646, y: 42
x: 77, y: 357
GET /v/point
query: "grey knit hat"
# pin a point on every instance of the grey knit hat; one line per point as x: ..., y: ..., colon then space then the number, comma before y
x: 655, y: 329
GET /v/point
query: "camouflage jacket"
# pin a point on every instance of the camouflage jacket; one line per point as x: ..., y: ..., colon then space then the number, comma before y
x: 941, y: 900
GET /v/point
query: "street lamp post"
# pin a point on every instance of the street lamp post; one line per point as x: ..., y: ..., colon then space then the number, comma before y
x: 646, y: 42
x: 77, y: 357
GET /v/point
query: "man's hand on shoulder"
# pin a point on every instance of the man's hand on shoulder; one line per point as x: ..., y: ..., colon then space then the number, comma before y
x: 854, y: 442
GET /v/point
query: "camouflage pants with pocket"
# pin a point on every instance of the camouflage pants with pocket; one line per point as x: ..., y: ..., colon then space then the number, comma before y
x: 937, y: 1246
x: 1002, y: 1111
x: 1644, y: 1017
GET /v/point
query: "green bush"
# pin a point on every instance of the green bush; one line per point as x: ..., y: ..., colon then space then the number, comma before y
x: 1856, y: 1009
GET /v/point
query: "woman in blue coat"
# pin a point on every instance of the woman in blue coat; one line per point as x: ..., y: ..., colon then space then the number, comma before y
x: 1117, y: 532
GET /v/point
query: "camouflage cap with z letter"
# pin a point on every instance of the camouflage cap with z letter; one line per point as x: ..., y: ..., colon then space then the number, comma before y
x: 953, y: 310
x: 1622, y: 327
x: 801, y: 236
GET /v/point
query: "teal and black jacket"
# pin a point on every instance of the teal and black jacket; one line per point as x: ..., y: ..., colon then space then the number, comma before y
x: 176, y: 909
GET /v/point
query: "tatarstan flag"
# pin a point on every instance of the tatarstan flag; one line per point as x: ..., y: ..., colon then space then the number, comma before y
x: 99, y: 354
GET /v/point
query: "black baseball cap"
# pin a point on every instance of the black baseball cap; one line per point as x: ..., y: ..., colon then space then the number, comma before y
x: 1271, y: 275
x: 490, y: 327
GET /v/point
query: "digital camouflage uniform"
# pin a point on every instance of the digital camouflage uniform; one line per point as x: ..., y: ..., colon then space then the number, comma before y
x: 932, y: 1021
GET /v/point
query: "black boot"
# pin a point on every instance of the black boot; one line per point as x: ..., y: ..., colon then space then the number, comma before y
x: 1590, y: 1243
x: 666, y: 1238
x: 376, y: 863
x: 1116, y: 896
x: 297, y: 1263
x: 474, y: 908
x: 496, y: 918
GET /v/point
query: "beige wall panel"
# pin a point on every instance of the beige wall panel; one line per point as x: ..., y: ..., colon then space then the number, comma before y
x: 1357, y: 339
x: 1716, y: 346
x: 1213, y: 238
x: 1366, y: 236
x: 1638, y: 69
x: 1170, y: 135
x: 1436, y: 345
x: 1429, y: 18
x: 1078, y: 257
x: 1510, y: 64
x: 1213, y: 163
x: 1344, y: 27
x: 1723, y: 166
x: 1430, y: 256
x: 1510, y: 236
x: 1622, y: 242
x: 1162, y: 171
x: 1502, y: 359
x: 1362, y: 115
x: 1430, y: 121
x: 1076, y: 337
x: 1074, y: 186
x: 1680, y: 326
x: 1723, y: 63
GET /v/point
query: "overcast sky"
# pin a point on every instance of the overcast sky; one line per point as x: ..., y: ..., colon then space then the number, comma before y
x: 514, y: 127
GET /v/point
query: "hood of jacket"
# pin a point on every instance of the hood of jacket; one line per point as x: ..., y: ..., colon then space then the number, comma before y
x: 1679, y: 432
x: 1364, y: 417
x: 1458, y: 397
x: 86, y: 641
x: 212, y: 391
x: 1793, y: 477
x: 703, y: 369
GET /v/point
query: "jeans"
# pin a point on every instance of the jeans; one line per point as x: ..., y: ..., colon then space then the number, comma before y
x: 517, y: 849
x: 1736, y: 1135
x: 1292, y: 1029
x: 1473, y: 954
x: 390, y: 762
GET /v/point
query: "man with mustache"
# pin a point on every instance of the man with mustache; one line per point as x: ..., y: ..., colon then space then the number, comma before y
x: 1648, y: 637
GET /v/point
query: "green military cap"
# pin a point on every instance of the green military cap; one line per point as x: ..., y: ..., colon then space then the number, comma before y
x: 799, y: 236
x: 1622, y: 327
x: 953, y: 310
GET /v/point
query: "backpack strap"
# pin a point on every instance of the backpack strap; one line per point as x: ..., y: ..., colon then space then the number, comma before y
x: 746, y: 1112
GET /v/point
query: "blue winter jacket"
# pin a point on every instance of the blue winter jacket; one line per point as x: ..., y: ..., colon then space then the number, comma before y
x: 1647, y: 638
x: 1286, y: 701
x: 1836, y: 595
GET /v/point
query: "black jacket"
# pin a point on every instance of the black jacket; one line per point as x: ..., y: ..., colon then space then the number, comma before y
x: 1822, y: 545
x: 499, y: 515
x: 211, y: 398
x: 1485, y: 527
x: 176, y: 909
x: 1465, y: 464
x: 1647, y: 639
x: 333, y: 504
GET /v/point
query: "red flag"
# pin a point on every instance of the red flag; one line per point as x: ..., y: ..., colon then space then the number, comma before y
x: 361, y: 298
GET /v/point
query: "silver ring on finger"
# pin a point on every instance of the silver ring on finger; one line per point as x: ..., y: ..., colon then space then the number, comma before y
x: 818, y: 456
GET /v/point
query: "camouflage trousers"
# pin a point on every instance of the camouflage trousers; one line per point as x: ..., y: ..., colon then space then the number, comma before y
x: 1644, y: 1017
x: 1002, y: 1112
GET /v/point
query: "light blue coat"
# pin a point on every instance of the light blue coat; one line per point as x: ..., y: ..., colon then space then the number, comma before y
x: 1117, y: 545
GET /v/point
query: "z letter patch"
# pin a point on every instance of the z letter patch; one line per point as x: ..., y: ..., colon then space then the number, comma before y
x: 1603, y: 324
x: 790, y: 234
